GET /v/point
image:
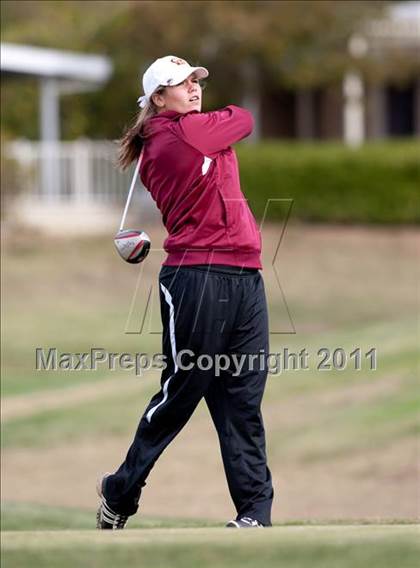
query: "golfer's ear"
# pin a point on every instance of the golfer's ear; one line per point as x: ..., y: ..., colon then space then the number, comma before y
x: 157, y: 98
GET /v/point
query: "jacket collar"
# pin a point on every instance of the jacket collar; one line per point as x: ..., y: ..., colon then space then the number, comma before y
x: 171, y: 114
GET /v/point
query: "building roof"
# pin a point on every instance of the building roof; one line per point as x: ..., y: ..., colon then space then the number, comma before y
x: 400, y: 26
x: 44, y: 62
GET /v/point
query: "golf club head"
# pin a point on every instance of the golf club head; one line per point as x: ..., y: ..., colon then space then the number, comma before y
x: 133, y: 246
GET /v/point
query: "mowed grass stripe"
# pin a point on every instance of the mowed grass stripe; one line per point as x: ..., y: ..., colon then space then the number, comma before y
x: 24, y: 406
x: 31, y: 517
x: 293, y: 546
x: 342, y: 421
x: 70, y: 300
x: 318, y: 533
x: 35, y: 517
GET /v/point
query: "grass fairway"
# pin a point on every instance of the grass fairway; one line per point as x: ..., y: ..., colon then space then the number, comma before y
x: 342, y: 444
x: 373, y: 546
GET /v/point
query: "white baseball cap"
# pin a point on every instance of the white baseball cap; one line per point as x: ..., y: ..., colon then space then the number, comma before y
x: 167, y: 71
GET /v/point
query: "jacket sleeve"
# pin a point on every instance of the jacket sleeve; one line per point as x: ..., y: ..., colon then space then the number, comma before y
x: 211, y: 132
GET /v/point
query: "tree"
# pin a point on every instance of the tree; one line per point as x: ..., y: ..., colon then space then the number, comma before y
x: 288, y: 43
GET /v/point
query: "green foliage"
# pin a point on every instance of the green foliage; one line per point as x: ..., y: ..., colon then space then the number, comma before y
x: 289, y: 43
x: 378, y: 183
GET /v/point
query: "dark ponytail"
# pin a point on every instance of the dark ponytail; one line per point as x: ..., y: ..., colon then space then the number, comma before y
x: 131, y: 142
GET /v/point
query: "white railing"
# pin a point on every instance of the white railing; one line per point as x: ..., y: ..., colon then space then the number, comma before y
x: 72, y: 172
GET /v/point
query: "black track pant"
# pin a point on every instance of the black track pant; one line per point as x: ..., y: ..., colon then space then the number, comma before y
x: 208, y: 311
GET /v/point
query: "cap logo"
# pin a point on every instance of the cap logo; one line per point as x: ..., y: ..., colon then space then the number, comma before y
x: 178, y: 61
x: 169, y: 81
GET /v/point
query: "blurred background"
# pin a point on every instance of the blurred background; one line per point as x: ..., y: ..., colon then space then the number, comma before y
x: 334, y: 88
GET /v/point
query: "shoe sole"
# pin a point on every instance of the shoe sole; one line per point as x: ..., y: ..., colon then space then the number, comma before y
x: 233, y: 525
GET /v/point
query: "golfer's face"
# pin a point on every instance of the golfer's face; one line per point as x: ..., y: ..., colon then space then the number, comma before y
x: 184, y: 97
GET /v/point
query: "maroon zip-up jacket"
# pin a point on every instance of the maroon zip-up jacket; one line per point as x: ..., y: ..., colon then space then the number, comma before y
x: 192, y: 174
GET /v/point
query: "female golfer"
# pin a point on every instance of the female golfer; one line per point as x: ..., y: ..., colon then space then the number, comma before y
x: 213, y: 305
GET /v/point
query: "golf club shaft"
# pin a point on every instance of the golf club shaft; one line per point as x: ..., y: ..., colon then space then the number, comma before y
x: 133, y: 182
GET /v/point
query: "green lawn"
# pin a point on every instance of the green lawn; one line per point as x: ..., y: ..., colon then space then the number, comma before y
x: 345, y: 287
x: 31, y: 517
x: 290, y: 546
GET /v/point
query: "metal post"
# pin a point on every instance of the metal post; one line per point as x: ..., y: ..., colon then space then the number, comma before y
x: 354, y: 111
x: 50, y: 135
